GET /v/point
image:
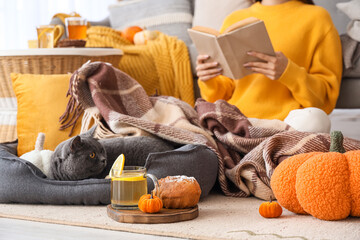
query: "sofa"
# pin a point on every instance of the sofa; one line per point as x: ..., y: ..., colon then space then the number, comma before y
x: 346, y: 115
x: 174, y: 17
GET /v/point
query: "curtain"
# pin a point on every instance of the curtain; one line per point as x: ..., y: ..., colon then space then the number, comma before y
x: 19, y: 18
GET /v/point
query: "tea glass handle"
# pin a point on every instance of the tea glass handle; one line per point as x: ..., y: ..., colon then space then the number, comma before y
x: 155, y: 181
x: 58, y: 32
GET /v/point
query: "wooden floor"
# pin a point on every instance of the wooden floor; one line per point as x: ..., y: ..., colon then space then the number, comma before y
x: 12, y: 229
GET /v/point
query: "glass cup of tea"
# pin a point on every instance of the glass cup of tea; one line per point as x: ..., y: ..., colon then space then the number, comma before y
x: 76, y: 27
x: 49, y: 35
x: 129, y: 186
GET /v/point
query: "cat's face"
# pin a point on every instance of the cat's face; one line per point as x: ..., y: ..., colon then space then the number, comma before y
x: 83, y: 158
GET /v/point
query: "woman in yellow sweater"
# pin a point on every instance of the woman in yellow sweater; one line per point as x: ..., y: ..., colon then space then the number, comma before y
x: 306, y: 71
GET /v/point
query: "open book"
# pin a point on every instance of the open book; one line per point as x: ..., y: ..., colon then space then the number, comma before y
x: 230, y: 48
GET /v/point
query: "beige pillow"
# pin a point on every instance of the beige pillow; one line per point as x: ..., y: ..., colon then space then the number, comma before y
x: 211, y: 13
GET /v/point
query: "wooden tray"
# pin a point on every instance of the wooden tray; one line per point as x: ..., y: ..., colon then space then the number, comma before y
x: 164, y: 216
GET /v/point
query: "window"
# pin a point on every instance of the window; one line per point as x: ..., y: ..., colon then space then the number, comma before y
x: 19, y: 18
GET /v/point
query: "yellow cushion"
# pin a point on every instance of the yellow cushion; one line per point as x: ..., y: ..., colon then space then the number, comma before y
x: 41, y: 101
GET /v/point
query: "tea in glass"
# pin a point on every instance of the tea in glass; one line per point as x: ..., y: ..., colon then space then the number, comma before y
x: 127, y: 188
x: 76, y: 27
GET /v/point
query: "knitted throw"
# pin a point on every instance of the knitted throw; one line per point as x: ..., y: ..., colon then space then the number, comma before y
x: 248, y: 150
x: 161, y: 66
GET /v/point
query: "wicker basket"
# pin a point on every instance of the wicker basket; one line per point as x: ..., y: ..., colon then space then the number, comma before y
x: 49, y: 61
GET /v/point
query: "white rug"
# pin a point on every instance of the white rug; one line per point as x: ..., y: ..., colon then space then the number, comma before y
x: 220, y: 218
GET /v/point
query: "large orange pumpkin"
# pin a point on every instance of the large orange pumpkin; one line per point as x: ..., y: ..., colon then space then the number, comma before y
x: 325, y: 185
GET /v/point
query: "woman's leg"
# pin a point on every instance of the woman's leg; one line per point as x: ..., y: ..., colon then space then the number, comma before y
x: 309, y: 120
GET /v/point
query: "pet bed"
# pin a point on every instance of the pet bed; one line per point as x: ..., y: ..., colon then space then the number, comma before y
x: 22, y: 182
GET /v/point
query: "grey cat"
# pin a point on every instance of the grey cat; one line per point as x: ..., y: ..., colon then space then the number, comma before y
x: 84, y: 157
x: 78, y: 158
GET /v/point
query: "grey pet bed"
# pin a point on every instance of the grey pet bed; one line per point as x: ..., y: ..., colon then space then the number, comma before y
x: 22, y: 182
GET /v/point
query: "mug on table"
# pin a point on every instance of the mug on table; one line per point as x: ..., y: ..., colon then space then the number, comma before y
x: 49, y: 35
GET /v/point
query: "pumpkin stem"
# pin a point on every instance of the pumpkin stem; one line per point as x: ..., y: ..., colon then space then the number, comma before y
x: 151, y: 195
x: 336, y: 142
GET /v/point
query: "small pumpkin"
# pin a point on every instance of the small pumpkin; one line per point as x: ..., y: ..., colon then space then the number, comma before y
x: 141, y: 38
x: 325, y: 185
x: 129, y: 32
x: 270, y: 209
x: 150, y: 203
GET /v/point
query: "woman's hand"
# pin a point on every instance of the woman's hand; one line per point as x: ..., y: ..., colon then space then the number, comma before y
x: 273, y: 68
x: 206, y: 71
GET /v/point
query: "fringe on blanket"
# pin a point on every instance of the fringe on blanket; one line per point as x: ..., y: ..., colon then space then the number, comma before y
x: 92, y: 117
x: 81, y: 102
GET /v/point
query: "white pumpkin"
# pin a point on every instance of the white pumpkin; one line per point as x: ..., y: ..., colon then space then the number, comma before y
x: 309, y: 120
x: 39, y: 157
x: 141, y: 38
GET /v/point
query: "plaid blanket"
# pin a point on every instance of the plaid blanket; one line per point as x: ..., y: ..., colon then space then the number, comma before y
x: 248, y: 150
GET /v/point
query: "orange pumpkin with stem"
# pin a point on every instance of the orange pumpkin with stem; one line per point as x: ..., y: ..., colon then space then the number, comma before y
x: 270, y: 209
x: 325, y: 185
x: 150, y: 203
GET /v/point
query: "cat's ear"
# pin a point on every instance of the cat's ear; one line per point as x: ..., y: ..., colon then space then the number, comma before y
x: 90, y: 132
x: 75, y: 143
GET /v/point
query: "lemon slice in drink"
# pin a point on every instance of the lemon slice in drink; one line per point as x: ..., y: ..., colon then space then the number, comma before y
x: 132, y: 177
x: 117, y: 166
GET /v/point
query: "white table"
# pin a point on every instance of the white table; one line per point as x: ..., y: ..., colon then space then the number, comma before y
x: 62, y: 51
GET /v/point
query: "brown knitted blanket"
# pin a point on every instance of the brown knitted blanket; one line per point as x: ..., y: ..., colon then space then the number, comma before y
x: 248, y: 149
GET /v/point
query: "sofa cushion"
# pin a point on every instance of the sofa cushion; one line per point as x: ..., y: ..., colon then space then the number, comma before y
x: 349, y: 92
x: 41, y: 100
x: 339, y: 18
x: 22, y: 182
x: 351, y: 57
x: 211, y: 13
x: 172, y: 17
x: 352, y: 10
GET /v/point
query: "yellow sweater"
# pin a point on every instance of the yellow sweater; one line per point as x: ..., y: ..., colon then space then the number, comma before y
x: 308, y: 38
